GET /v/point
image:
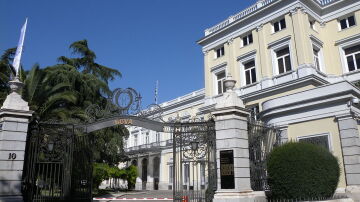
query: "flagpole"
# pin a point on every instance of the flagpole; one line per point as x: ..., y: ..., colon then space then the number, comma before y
x: 17, y: 58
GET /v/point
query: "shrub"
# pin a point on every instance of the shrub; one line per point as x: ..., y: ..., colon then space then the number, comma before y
x: 302, y: 171
x: 100, y: 173
x: 131, y: 175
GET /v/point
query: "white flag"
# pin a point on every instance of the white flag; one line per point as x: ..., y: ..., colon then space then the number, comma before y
x: 16, y: 62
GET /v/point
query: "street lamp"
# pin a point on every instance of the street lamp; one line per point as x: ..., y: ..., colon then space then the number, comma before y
x: 50, y: 145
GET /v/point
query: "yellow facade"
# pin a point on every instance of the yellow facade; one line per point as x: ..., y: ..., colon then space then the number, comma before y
x: 323, y: 126
x: 299, y: 31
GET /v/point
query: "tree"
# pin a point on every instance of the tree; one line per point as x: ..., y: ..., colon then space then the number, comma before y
x: 6, y: 71
x: 86, y: 63
x: 108, y: 147
x: 63, y: 92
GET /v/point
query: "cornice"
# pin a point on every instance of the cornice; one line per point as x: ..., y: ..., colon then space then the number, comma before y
x: 322, y: 102
x: 346, y: 40
x: 300, y: 81
x: 219, y: 66
x: 314, y: 9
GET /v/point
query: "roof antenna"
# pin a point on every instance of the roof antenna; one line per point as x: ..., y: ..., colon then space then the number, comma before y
x: 156, y: 91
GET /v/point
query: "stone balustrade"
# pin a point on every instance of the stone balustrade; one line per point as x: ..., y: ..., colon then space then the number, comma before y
x: 249, y: 11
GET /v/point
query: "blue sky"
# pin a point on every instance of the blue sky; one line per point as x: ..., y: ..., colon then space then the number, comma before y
x: 146, y: 40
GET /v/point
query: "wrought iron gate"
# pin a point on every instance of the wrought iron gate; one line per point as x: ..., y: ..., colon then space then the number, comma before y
x: 194, y: 159
x: 57, y: 164
x: 262, y: 139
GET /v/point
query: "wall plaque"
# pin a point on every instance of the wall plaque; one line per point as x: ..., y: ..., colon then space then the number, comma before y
x: 227, y: 169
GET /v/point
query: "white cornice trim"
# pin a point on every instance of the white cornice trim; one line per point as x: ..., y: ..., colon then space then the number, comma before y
x: 304, y: 80
x: 340, y: 12
x: 352, y: 39
x: 217, y: 67
x: 246, y: 56
x: 285, y: 39
x: 308, y: 6
x: 316, y: 40
x: 248, y: 27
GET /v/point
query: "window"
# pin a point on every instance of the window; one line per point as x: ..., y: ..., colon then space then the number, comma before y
x: 279, y: 25
x: 316, y: 58
x: 352, y: 56
x: 220, y: 78
x: 320, y: 140
x: 171, y: 174
x: 157, y: 137
x: 135, y: 140
x: 312, y: 24
x: 347, y: 22
x: 283, y: 60
x: 247, y: 40
x: 250, y: 72
x: 220, y: 52
x: 147, y: 139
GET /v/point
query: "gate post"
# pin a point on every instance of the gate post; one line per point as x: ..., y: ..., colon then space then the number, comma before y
x: 232, y: 148
x: 14, y: 119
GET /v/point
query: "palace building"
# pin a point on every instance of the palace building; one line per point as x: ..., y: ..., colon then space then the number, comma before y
x: 295, y: 63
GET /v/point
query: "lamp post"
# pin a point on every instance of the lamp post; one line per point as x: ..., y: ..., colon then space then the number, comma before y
x: 50, y: 145
x: 194, y: 145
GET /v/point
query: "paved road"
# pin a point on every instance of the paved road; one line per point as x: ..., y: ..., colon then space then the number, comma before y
x: 137, y: 196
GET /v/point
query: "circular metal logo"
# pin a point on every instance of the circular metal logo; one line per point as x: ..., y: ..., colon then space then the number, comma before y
x: 123, y: 99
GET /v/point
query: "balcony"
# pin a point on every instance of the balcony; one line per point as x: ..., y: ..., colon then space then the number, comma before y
x: 153, y: 146
x: 238, y: 16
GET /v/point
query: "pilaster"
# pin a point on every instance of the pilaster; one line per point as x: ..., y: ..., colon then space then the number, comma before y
x: 350, y: 144
x: 14, y: 119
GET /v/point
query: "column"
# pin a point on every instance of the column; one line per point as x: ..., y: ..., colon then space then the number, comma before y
x: 14, y: 119
x: 150, y: 174
x: 350, y: 143
x: 232, y: 148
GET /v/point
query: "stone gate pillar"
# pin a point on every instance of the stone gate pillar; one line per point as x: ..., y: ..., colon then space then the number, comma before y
x: 14, y: 119
x: 232, y: 148
x: 350, y: 144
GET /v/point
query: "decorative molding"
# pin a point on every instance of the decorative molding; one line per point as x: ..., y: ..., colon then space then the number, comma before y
x: 217, y: 67
x: 205, y: 52
x: 348, y: 40
x: 230, y: 41
x: 285, y: 39
x: 316, y: 40
x: 293, y: 11
x: 259, y: 27
x: 303, y: 10
x: 246, y: 56
x: 322, y: 24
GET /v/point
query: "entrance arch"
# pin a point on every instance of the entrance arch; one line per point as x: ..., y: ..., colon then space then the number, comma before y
x: 61, y: 158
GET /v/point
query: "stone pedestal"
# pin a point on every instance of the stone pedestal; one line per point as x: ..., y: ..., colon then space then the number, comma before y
x: 232, y: 135
x: 14, y: 118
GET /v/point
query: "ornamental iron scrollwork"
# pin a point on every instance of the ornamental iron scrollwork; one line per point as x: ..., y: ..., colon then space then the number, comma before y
x: 124, y: 102
x: 54, y: 140
x: 194, y: 146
